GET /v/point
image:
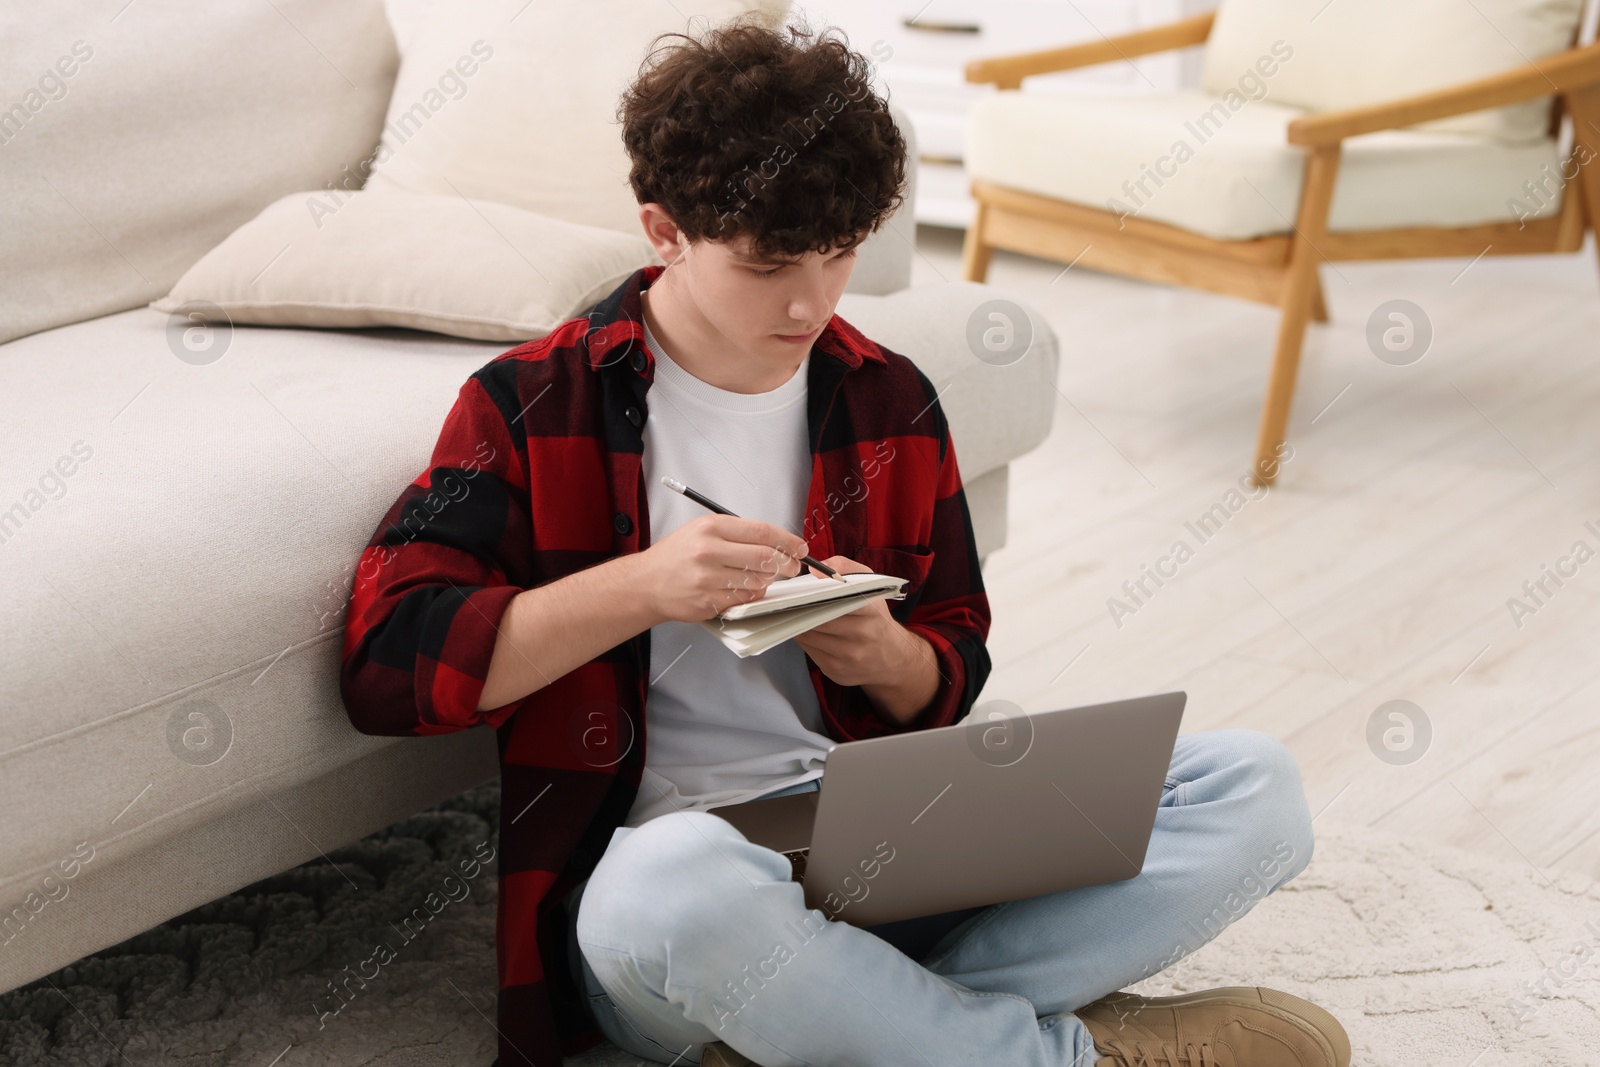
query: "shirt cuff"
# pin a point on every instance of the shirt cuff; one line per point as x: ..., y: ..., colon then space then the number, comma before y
x: 450, y: 680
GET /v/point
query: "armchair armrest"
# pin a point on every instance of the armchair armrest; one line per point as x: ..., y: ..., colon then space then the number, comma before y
x: 1564, y: 72
x: 1007, y: 72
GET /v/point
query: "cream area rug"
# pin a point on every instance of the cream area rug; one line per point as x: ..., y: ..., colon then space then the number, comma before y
x: 1428, y: 955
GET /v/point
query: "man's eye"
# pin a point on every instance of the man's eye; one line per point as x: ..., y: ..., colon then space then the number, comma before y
x: 765, y: 273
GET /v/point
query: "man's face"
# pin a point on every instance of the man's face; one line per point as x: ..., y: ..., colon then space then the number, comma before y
x: 776, y: 307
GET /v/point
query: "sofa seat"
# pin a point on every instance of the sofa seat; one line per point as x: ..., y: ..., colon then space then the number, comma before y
x: 172, y: 692
x: 1232, y: 174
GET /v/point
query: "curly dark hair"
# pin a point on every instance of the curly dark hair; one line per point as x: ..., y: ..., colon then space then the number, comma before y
x: 773, y: 134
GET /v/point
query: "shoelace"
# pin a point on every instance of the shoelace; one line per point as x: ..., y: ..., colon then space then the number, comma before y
x: 1166, y: 1054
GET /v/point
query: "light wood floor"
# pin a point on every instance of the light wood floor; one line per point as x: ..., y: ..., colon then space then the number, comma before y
x: 1417, y: 501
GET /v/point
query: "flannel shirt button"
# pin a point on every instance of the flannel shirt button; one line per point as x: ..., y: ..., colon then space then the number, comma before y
x: 633, y: 415
x: 623, y: 524
x: 638, y: 360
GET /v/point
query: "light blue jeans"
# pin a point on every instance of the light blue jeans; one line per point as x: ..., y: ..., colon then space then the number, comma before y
x: 690, y: 933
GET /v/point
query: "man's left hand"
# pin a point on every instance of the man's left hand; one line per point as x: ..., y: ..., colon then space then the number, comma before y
x: 866, y: 646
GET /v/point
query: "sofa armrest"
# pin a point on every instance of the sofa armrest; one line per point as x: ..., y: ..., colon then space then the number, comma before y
x: 996, y: 413
x: 883, y: 262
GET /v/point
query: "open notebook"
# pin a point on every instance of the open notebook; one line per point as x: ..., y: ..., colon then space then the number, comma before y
x: 794, y: 605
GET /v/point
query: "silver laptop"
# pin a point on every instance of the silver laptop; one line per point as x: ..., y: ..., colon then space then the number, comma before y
x: 983, y: 811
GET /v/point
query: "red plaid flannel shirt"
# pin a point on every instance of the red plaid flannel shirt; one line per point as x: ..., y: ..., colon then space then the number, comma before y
x: 536, y: 475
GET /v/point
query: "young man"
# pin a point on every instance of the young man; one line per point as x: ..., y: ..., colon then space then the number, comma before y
x: 539, y: 579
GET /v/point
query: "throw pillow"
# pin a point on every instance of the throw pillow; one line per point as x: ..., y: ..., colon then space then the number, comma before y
x: 469, y: 268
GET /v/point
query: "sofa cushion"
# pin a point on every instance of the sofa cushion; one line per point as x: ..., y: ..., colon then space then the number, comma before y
x: 1350, y: 53
x: 1231, y: 174
x: 176, y: 124
x: 442, y: 263
x: 534, y: 123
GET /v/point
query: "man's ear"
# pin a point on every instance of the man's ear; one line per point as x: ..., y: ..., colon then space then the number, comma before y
x: 662, y: 232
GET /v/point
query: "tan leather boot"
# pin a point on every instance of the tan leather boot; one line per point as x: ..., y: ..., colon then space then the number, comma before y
x: 1234, y: 1026
x: 718, y: 1054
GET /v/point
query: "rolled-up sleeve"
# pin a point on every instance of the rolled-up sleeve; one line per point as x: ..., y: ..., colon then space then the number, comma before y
x: 952, y: 611
x: 437, y: 576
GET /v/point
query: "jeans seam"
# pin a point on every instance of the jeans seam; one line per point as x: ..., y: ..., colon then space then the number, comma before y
x: 701, y: 991
x: 1180, y: 790
x: 618, y: 1011
x: 972, y: 926
x: 993, y: 993
x: 1056, y: 1019
x: 621, y: 1017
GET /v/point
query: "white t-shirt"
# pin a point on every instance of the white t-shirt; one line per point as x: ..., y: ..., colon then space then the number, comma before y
x: 719, y: 728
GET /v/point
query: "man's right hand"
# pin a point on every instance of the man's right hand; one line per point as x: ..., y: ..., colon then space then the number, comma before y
x: 713, y: 562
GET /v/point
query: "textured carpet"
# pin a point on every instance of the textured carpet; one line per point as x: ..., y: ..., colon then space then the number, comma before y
x: 1430, y: 956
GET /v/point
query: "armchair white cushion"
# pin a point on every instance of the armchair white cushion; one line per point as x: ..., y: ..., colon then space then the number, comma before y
x: 1186, y: 159
x: 1351, y: 53
x: 1216, y: 160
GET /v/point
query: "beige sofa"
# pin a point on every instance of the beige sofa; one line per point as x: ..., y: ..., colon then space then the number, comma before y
x: 177, y: 540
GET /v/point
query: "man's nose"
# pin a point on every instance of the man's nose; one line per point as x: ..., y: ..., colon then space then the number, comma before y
x: 810, y: 304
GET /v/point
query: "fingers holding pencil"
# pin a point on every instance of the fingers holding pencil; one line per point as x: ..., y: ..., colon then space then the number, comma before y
x: 713, y: 562
x: 706, y: 502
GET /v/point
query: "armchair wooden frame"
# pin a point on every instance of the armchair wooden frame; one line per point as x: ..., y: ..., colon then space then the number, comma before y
x: 1281, y: 270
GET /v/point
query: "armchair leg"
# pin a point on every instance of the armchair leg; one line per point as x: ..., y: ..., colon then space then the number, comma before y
x: 975, y: 253
x: 1584, y: 106
x: 1319, y: 307
x: 1300, y: 292
x: 1301, y: 289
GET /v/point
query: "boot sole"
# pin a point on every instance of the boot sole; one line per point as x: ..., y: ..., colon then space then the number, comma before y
x: 1330, y: 1034
x: 723, y: 1056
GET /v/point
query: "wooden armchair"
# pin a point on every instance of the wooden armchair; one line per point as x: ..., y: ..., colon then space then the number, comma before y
x: 1282, y: 268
